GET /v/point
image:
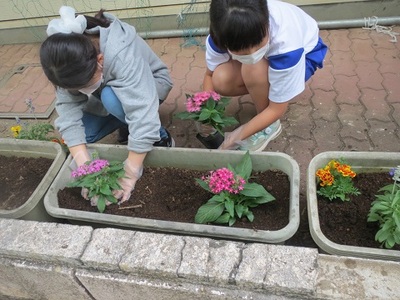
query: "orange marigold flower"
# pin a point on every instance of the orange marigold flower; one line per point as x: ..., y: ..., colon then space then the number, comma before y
x: 325, y: 177
x: 346, y: 171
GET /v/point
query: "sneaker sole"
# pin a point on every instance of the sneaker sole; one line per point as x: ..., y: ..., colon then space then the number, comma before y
x: 272, y: 137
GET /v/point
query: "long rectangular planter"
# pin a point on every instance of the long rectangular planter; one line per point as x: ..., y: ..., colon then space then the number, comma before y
x: 195, y: 159
x: 361, y: 162
x: 33, y: 208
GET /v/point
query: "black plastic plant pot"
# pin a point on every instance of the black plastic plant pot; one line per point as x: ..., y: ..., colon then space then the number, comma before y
x: 212, y: 141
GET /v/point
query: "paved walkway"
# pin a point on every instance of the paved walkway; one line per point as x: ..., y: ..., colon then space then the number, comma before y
x: 352, y: 104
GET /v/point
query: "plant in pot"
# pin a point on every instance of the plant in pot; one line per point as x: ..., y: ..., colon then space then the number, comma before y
x: 160, y: 166
x: 28, y: 167
x: 98, y: 178
x: 340, y: 198
x: 234, y: 195
x: 386, y: 211
x: 38, y: 131
x: 33, y: 159
x: 207, y: 109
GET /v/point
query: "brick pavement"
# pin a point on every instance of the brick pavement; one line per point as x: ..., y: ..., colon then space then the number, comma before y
x: 352, y: 104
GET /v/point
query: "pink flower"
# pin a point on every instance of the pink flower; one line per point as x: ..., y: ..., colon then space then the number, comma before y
x: 93, y: 167
x: 194, y: 103
x: 224, y: 180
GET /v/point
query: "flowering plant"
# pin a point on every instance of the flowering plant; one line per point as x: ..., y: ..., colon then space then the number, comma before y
x: 386, y: 210
x: 207, y: 108
x: 38, y: 131
x: 233, y: 194
x: 100, y: 177
x: 336, y: 181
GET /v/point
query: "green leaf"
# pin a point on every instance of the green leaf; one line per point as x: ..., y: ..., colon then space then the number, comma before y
x: 239, y: 210
x: 209, y: 212
x: 204, y: 115
x: 101, y: 204
x: 185, y: 115
x: 230, y: 207
x: 216, y: 118
x: 250, y: 216
x: 111, y: 199
x: 231, y: 221
x: 254, y: 190
x: 245, y: 166
x: 223, y: 219
x: 396, y: 219
x: 373, y: 217
x: 219, y: 198
x: 203, y: 184
x: 210, y: 104
x: 229, y: 121
x: 105, y: 190
x: 387, y: 188
x: 390, y: 242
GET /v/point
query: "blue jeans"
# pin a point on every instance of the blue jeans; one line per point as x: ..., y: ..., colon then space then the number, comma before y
x: 98, y: 127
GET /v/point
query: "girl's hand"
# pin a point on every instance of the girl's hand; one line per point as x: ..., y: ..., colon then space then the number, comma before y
x: 232, y: 139
x: 132, y: 172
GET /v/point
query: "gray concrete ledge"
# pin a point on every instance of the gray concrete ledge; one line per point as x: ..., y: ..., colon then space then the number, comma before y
x: 57, y: 261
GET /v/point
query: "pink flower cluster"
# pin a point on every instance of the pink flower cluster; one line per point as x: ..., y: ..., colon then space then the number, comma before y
x: 224, y: 180
x: 94, y: 166
x: 194, y: 103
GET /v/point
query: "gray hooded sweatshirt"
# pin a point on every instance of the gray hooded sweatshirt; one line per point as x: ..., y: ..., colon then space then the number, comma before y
x: 138, y: 78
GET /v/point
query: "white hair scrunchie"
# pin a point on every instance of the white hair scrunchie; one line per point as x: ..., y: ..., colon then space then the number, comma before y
x: 68, y: 22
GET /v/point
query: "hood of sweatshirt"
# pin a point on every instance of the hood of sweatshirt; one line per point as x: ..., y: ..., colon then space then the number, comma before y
x: 114, y: 39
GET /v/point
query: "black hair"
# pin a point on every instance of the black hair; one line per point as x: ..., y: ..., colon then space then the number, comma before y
x: 238, y: 24
x: 70, y: 60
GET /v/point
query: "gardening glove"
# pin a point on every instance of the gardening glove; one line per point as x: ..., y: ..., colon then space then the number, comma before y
x: 204, y: 129
x: 132, y: 174
x: 232, y: 139
x: 78, y: 160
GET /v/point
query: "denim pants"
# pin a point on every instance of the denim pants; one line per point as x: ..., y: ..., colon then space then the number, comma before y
x: 97, y: 127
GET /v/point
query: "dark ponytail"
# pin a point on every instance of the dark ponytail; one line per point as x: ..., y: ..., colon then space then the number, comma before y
x: 98, y: 20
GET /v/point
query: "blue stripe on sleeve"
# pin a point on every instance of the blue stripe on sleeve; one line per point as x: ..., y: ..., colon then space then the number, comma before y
x: 285, y: 60
x: 213, y: 46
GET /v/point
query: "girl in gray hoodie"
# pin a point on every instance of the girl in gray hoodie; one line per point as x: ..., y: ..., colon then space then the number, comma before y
x: 106, y: 77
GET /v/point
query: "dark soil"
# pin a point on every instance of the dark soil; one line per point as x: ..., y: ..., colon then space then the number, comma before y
x: 19, y: 177
x: 173, y: 195
x: 166, y: 194
x: 346, y: 223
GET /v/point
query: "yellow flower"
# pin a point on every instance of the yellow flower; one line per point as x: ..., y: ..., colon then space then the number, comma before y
x: 16, y: 130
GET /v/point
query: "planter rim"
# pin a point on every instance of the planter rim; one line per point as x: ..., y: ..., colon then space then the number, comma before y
x: 376, y: 161
x: 179, y: 154
x: 33, y: 148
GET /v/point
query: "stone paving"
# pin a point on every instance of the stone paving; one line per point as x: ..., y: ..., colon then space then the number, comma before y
x: 352, y: 104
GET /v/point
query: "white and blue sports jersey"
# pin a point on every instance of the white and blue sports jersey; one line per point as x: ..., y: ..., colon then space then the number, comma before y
x: 295, y: 50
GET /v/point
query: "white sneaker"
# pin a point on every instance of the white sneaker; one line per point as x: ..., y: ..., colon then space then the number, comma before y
x: 258, y: 141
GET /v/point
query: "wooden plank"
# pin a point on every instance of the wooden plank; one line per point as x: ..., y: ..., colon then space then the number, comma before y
x: 49, y: 8
x: 27, y: 9
x: 122, y: 14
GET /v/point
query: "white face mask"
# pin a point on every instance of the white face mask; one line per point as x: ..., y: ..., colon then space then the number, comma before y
x: 91, y: 89
x: 251, y: 59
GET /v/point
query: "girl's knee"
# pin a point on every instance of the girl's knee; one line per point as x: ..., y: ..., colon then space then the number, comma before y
x: 223, y: 82
x: 111, y: 103
x: 108, y: 97
x: 255, y: 73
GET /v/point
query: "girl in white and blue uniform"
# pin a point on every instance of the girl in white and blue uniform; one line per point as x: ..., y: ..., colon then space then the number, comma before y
x: 265, y: 48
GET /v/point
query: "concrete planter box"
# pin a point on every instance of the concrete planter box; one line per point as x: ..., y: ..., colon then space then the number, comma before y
x: 33, y: 208
x: 361, y: 162
x: 196, y: 159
